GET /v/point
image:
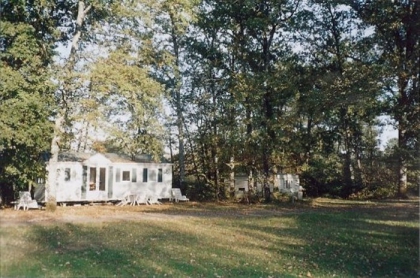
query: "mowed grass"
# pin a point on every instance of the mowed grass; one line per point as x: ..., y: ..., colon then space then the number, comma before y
x: 327, y: 239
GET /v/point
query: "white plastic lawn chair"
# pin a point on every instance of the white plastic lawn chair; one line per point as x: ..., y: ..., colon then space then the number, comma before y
x: 177, y: 195
x: 25, y: 201
x: 126, y: 200
x: 141, y: 198
x: 153, y: 200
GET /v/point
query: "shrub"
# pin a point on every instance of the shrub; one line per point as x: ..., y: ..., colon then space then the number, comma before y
x: 51, y: 205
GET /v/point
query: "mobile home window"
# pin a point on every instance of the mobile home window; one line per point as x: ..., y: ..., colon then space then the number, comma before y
x: 160, y: 173
x: 152, y: 175
x: 102, y: 175
x: 126, y: 175
x: 144, y: 174
x: 92, y: 179
x: 67, y: 174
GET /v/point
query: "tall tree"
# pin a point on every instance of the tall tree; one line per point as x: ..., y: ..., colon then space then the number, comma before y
x: 261, y: 26
x: 397, y: 40
x: 238, y: 49
x: 103, y: 71
x: 80, y: 22
x: 65, y: 89
x: 172, y: 21
x: 27, y: 36
x: 334, y: 44
x: 129, y: 102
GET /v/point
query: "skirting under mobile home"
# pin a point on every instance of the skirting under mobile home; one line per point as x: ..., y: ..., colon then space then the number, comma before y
x: 101, y: 177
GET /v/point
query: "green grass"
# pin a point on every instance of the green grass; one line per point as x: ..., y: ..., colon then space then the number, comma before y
x: 208, y: 241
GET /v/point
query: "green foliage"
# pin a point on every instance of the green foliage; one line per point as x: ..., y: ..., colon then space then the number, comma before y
x: 251, y: 86
x: 199, y: 190
x: 281, y: 198
x: 26, y: 94
x: 397, y: 40
x: 131, y: 104
x: 322, y: 177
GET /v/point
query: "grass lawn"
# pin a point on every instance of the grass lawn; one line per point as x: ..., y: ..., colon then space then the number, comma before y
x: 325, y: 238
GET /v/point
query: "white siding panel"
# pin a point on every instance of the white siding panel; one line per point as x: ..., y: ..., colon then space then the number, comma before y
x: 69, y: 190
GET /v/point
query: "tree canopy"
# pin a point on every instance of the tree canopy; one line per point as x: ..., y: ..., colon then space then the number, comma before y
x: 251, y: 87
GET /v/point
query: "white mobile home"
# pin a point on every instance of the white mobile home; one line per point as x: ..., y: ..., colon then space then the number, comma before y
x: 83, y: 177
x: 242, y: 185
x: 286, y: 183
x: 289, y: 183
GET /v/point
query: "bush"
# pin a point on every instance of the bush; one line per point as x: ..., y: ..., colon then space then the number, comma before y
x: 199, y: 190
x: 51, y: 206
x: 279, y: 197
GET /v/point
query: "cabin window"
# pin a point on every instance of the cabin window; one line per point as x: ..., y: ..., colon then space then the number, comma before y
x: 102, y: 175
x: 160, y: 175
x: 84, y: 182
x: 145, y: 175
x: 133, y: 175
x: 67, y: 174
x: 126, y: 175
x: 110, y: 181
x: 152, y: 175
x: 92, y: 179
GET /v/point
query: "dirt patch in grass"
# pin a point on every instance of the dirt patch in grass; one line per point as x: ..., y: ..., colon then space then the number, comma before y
x: 400, y: 209
x: 79, y: 214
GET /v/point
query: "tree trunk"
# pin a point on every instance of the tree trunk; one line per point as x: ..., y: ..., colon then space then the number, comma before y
x: 51, y: 180
x: 308, y: 140
x: 249, y: 128
x: 193, y: 157
x: 232, y: 176
x: 402, y: 165
x: 181, y: 145
x: 347, y: 157
x: 177, y: 96
x: 216, y: 175
x: 403, y: 126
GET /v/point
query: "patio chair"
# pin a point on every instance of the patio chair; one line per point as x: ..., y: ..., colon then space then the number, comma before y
x: 25, y: 201
x: 177, y: 195
x: 126, y: 200
x: 153, y: 200
x: 141, y: 198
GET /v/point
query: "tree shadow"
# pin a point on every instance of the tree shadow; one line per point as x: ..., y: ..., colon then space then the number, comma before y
x: 368, y: 242
x: 350, y: 244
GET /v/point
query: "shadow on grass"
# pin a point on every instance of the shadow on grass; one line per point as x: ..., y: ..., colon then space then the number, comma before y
x: 215, y: 243
x: 138, y: 249
x: 349, y: 244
